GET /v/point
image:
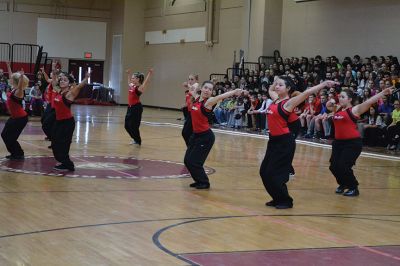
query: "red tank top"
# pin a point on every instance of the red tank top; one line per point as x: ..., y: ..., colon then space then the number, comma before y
x: 277, y: 124
x: 292, y: 117
x: 14, y: 105
x: 200, y: 116
x: 50, y: 93
x: 62, y: 107
x: 345, y: 125
x: 133, y: 95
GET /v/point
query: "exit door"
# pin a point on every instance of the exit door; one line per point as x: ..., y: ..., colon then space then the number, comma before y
x: 78, y: 69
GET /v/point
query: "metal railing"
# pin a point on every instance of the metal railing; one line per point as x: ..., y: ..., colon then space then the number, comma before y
x: 217, y: 77
x: 5, y: 52
x: 267, y: 60
x: 26, y: 54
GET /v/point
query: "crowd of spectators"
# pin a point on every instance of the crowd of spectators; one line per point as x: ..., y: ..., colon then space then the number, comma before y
x: 366, y: 77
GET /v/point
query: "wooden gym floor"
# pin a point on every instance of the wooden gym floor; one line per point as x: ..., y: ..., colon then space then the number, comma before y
x: 130, y: 205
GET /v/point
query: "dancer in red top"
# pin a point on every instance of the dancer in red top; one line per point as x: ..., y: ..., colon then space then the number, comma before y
x: 64, y: 125
x: 137, y: 85
x: 347, y: 145
x: 203, y: 138
x: 18, y: 117
x: 276, y: 165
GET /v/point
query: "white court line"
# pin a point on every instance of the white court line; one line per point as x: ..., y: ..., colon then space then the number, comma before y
x: 308, y: 143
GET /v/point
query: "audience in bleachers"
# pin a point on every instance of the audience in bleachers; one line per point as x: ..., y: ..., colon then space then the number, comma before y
x: 365, y: 77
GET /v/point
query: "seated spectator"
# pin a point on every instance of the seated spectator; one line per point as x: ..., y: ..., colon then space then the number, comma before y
x: 36, y: 100
x: 393, y: 130
x: 374, y: 129
x: 315, y: 130
x: 312, y: 108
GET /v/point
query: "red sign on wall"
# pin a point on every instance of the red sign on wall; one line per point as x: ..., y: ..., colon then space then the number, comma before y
x: 88, y: 55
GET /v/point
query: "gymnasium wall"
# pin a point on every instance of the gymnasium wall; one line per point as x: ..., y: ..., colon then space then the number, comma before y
x: 340, y: 27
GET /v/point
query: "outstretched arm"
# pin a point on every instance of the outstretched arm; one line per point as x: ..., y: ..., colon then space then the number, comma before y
x: 129, y: 75
x: 46, y: 77
x: 272, y: 93
x: 146, y: 80
x: 214, y: 100
x: 74, y: 91
x: 295, y: 101
x: 361, y: 108
x: 9, y: 69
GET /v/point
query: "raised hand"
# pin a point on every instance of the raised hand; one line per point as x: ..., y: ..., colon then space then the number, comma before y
x: 330, y: 83
x: 388, y: 91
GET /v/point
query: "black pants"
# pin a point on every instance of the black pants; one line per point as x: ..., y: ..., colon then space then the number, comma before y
x: 187, y: 129
x: 275, y: 167
x: 48, y: 120
x: 185, y: 112
x: 132, y: 122
x: 199, y: 147
x: 11, y: 131
x: 344, y: 156
x: 61, y: 141
x: 294, y: 128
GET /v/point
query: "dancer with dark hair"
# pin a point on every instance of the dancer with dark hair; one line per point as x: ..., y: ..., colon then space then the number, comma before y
x: 203, y: 138
x: 276, y: 165
x: 64, y: 126
x: 347, y: 145
x: 137, y: 85
x: 18, y: 117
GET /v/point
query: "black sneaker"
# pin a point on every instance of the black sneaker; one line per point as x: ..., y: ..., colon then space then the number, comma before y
x: 270, y: 203
x: 193, y: 184
x: 15, y: 157
x: 283, y: 206
x: 340, y: 189
x: 203, y: 186
x: 63, y: 168
x: 352, y: 193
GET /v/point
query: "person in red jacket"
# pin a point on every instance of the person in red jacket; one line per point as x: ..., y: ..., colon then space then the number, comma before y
x: 275, y: 167
x: 347, y: 144
x: 203, y: 138
x: 64, y: 126
x: 137, y: 85
x: 18, y: 117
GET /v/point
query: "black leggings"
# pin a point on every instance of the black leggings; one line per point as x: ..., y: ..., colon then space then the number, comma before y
x: 275, y: 168
x: 187, y: 129
x: 199, y: 147
x: 132, y: 122
x: 61, y: 141
x: 48, y: 120
x: 344, y: 156
x: 11, y: 131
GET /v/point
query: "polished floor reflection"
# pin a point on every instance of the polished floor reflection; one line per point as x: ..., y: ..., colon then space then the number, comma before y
x: 131, y: 205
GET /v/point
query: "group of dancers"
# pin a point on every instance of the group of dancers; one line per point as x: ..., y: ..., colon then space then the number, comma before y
x: 283, y: 126
x: 58, y: 124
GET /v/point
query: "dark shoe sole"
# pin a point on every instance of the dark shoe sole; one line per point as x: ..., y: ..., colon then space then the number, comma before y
x: 202, y: 186
x: 281, y: 206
